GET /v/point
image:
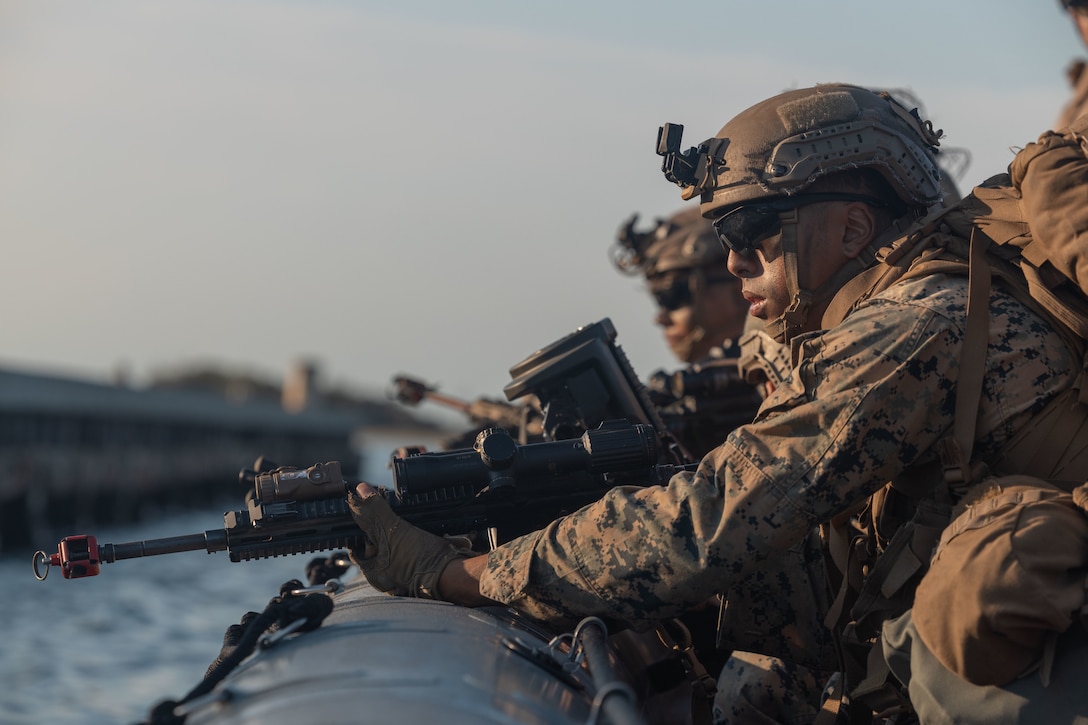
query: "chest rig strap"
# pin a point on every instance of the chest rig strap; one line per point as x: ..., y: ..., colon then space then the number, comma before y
x: 880, y: 578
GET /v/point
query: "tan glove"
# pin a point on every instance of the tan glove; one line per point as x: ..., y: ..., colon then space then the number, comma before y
x: 399, y: 558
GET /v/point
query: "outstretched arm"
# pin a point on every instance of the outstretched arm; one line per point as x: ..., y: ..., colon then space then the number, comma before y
x: 460, y: 582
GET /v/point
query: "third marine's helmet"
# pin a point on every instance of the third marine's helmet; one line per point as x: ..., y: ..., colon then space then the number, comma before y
x: 780, y: 146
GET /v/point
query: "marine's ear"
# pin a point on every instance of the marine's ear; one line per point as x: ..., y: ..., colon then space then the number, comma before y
x: 859, y: 228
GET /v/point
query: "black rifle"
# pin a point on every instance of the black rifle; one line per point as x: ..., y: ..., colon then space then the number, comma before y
x: 498, y: 487
x: 600, y: 428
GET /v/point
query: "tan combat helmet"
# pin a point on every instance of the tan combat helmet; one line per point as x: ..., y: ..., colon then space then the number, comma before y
x: 777, y: 148
x: 683, y: 241
x: 952, y: 160
x: 679, y: 257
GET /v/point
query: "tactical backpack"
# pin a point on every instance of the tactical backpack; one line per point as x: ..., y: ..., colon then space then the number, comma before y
x: 1029, y: 230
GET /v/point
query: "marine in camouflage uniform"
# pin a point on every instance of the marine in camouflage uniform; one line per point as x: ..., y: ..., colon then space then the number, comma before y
x: 868, y: 401
x: 699, y: 305
x: 704, y: 319
x: 804, y: 188
x: 702, y: 315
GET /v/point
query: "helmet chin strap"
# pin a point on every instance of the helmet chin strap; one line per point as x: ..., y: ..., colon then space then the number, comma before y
x: 786, y: 326
x: 793, y: 321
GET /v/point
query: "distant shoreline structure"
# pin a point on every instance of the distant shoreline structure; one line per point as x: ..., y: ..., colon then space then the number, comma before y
x: 79, y: 453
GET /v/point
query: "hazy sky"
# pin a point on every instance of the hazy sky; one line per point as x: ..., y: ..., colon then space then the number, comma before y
x: 426, y: 187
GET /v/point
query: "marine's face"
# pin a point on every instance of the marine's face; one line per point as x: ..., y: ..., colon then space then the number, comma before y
x: 720, y: 312
x: 763, y: 276
x: 763, y: 269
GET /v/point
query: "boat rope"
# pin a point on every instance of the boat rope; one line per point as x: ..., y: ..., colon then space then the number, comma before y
x: 298, y: 608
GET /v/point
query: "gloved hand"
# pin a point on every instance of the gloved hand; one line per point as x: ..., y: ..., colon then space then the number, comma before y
x: 399, y: 558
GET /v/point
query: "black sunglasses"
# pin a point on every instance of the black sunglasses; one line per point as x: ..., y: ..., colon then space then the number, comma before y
x: 742, y: 229
x: 678, y: 294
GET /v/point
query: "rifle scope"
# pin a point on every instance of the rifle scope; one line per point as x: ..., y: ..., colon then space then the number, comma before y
x: 496, y: 460
x: 699, y: 381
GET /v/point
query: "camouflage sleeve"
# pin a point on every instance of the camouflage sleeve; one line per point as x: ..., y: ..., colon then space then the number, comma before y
x: 866, y: 400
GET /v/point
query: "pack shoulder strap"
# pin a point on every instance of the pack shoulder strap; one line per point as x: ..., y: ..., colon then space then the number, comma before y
x: 955, y: 451
x: 899, y: 249
x: 883, y: 591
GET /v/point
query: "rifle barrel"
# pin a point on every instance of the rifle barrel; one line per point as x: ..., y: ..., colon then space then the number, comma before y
x: 210, y: 541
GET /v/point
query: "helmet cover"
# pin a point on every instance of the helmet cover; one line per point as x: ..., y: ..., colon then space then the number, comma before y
x: 781, y: 145
x: 683, y: 241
